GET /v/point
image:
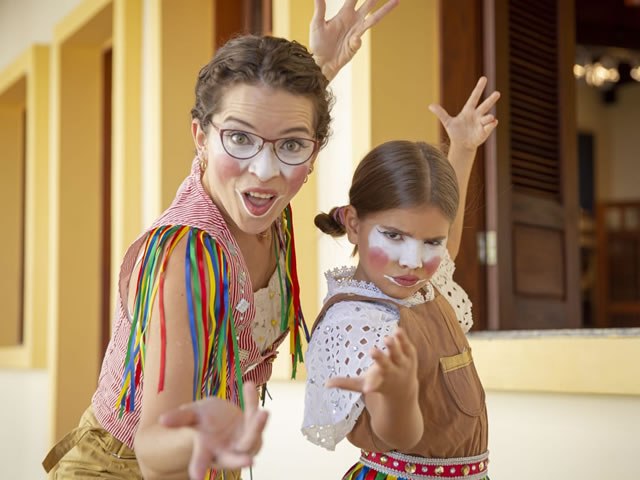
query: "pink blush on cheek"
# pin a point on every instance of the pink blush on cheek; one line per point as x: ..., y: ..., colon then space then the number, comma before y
x: 431, y: 266
x: 378, y: 258
x: 228, y: 167
x: 295, y: 176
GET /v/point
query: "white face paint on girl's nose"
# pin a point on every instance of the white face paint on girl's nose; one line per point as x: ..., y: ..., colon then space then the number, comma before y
x: 407, y: 251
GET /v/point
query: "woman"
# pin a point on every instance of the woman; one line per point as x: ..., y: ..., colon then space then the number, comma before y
x: 207, y: 294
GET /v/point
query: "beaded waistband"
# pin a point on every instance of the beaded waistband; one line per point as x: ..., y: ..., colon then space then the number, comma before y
x: 422, y: 468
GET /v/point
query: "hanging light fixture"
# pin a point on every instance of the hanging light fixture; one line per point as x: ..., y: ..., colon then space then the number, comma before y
x: 601, y: 68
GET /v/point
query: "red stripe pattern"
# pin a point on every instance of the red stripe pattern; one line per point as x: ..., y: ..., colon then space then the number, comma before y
x: 191, y: 207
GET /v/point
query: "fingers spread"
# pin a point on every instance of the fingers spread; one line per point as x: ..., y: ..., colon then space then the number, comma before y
x: 406, y: 346
x: 250, y: 440
x: 353, y: 384
x: 381, y: 358
x: 488, y: 103
x: 490, y: 126
x: 318, y: 13
x: 365, y: 8
x: 179, y: 417
x: 250, y: 394
x: 474, y: 98
x: 349, y: 5
x: 232, y: 461
x: 393, y: 349
x: 379, y: 14
x: 201, y: 460
x: 440, y: 112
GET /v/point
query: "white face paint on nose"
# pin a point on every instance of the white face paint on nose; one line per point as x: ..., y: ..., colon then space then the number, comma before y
x: 408, y: 252
x: 265, y: 165
x: 410, y: 256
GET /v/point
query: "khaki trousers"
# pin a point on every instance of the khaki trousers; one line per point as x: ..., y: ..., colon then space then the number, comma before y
x: 89, y: 451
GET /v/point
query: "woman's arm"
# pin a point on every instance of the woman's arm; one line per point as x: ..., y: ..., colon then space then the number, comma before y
x: 467, y: 131
x: 390, y: 388
x: 193, y: 431
x: 161, y: 451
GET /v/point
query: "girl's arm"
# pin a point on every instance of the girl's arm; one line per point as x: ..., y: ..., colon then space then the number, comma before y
x: 335, y: 42
x: 390, y: 388
x: 467, y: 131
x: 193, y: 434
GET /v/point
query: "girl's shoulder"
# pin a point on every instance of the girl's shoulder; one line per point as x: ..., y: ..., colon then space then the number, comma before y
x: 452, y: 292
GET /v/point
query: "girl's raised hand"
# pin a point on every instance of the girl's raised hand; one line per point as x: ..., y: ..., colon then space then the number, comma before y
x: 473, y: 125
x: 393, y: 371
x: 334, y: 42
x: 225, y: 436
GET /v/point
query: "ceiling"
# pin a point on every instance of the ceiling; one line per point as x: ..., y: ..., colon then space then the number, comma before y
x: 612, y: 23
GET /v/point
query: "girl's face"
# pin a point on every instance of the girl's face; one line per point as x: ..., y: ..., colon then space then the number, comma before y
x: 252, y: 193
x: 399, y: 249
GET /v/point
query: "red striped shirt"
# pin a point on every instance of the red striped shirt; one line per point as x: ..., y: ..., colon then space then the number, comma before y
x: 192, y: 207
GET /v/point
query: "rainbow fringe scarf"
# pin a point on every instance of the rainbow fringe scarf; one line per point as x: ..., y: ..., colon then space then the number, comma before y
x: 213, y: 330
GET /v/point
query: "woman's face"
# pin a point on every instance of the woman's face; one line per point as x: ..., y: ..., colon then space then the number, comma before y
x: 252, y: 193
x: 400, y: 249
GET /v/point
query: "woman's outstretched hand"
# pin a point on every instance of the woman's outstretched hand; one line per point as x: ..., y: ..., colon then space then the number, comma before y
x: 334, y: 42
x: 225, y: 436
x: 472, y: 126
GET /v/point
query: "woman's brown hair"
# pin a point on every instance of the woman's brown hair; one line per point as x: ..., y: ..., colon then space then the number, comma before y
x: 274, y: 62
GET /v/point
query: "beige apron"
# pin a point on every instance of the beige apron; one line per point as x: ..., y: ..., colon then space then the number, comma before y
x: 451, y: 396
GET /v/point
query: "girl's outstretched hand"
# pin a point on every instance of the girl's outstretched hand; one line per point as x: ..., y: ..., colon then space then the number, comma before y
x: 225, y: 436
x: 336, y: 41
x: 473, y: 125
x: 393, y: 372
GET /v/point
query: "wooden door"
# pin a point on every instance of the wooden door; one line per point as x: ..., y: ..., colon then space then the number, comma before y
x: 618, y: 265
x: 531, y: 180
x: 106, y: 307
x: 240, y: 17
x: 462, y: 64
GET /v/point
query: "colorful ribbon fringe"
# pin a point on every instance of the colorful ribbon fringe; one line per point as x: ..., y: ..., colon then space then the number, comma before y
x: 213, y: 330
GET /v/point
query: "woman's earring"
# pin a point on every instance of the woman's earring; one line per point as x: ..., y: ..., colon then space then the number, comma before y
x: 309, y: 172
x: 202, y: 157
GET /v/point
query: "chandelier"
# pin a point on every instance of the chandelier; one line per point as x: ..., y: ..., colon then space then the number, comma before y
x: 606, y: 67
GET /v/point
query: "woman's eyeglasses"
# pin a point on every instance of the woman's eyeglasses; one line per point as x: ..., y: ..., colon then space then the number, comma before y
x: 245, y: 145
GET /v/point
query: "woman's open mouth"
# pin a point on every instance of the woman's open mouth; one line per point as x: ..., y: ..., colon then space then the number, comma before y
x: 258, y: 203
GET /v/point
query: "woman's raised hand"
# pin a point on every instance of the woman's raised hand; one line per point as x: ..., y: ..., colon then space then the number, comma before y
x: 334, y: 42
x: 472, y: 126
x: 225, y: 436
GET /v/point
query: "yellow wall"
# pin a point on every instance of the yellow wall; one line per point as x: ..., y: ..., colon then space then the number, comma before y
x: 76, y: 210
x: 405, y: 74
x: 126, y: 131
x: 185, y: 41
x: 12, y: 107
x: 24, y: 85
x: 287, y: 23
x: 586, y: 363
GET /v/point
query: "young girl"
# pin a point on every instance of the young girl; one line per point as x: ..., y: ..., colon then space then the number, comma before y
x: 389, y: 366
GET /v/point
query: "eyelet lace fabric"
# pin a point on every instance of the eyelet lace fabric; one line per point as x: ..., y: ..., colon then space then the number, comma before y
x: 341, y: 343
x: 266, y: 324
x: 443, y: 281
